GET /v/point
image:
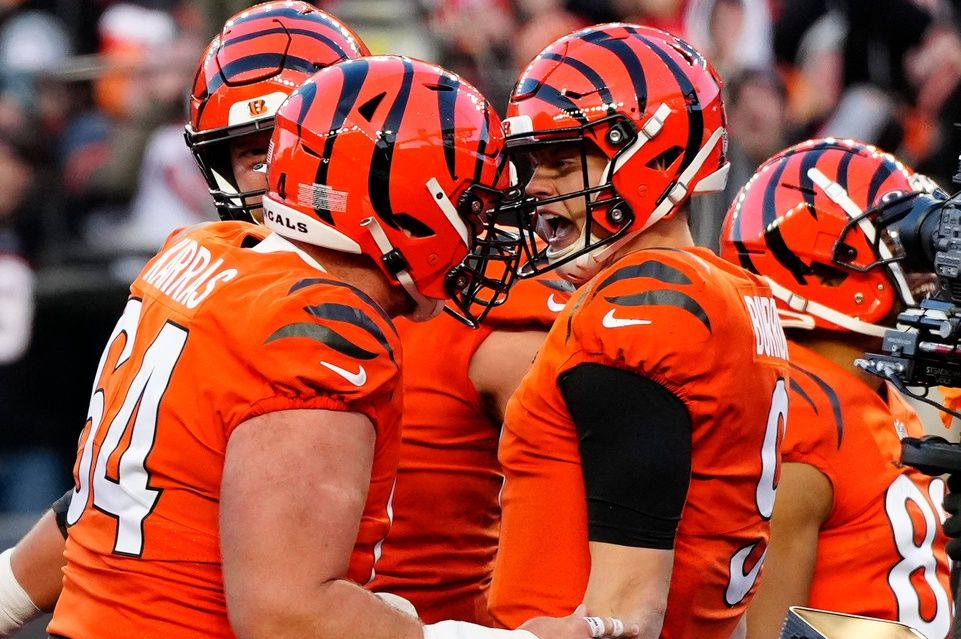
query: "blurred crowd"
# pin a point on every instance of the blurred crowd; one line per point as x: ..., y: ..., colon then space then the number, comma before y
x: 94, y: 172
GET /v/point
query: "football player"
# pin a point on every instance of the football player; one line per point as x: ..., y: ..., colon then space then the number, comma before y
x: 228, y: 129
x: 259, y: 58
x: 641, y: 449
x: 842, y: 487
x: 457, y: 381
x: 234, y: 477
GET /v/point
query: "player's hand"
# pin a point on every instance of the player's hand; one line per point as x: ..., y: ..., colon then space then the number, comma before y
x: 578, y: 626
x: 952, y: 525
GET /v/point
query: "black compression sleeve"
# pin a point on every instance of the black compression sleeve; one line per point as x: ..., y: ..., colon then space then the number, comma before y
x: 60, y: 508
x: 635, y: 445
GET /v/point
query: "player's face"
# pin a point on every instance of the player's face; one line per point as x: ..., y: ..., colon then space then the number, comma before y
x: 558, y: 171
x: 248, y: 156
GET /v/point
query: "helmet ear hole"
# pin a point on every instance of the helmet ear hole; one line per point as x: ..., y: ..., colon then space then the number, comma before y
x: 412, y: 226
x: 828, y: 275
x: 282, y: 185
x: 663, y: 161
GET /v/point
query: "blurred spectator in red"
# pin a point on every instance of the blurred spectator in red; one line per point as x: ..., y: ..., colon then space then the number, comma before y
x: 542, y: 22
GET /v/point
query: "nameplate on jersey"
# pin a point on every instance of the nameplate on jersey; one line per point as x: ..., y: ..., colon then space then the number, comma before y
x: 187, y: 273
x: 769, y: 339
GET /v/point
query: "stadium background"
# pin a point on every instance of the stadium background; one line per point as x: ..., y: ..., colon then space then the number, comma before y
x: 94, y: 172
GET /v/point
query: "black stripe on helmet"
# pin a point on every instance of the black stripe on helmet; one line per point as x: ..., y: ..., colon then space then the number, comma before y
x: 554, y: 97
x: 664, y: 297
x: 650, y: 269
x: 772, y: 232
x: 482, y: 144
x: 447, y: 108
x: 378, y: 181
x: 593, y: 77
x: 882, y: 173
x: 323, y: 334
x: 259, y: 61
x: 351, y: 315
x: 323, y: 281
x: 307, y: 33
x: 627, y: 56
x: 808, y: 162
x: 844, y: 166
x: 355, y: 73
x: 832, y: 398
x: 695, y: 118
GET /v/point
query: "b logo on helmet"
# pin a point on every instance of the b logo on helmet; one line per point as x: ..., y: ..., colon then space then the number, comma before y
x: 257, y: 107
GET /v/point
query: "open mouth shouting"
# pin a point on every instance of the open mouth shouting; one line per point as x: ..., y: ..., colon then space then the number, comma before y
x: 555, y: 229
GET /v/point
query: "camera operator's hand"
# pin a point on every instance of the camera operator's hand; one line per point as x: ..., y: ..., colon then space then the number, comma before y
x: 952, y: 525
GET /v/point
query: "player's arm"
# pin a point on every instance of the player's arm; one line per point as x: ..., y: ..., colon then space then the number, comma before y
x: 31, y: 573
x: 633, y: 433
x: 499, y: 364
x: 804, y: 501
x: 294, y: 488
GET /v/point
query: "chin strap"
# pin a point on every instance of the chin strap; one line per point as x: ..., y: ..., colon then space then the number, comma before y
x: 802, y: 310
x: 426, y: 308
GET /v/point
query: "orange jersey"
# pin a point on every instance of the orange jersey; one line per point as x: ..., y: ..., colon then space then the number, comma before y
x: 440, y: 551
x: 226, y: 323
x: 708, y: 332
x: 881, y: 550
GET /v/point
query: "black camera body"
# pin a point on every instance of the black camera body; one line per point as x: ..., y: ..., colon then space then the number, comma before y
x: 925, y: 348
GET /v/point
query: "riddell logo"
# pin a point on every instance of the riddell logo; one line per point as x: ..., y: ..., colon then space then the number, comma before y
x: 257, y: 107
x: 506, y: 125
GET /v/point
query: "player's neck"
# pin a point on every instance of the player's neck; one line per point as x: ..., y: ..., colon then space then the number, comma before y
x: 673, y: 232
x: 360, y: 272
x: 842, y: 349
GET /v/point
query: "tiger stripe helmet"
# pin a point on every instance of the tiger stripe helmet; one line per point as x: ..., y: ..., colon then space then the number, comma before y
x: 801, y: 222
x: 650, y: 103
x: 397, y: 159
x: 247, y: 71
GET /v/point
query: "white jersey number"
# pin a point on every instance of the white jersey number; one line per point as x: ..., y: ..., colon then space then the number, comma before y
x: 126, y: 497
x: 917, y: 555
x: 742, y: 581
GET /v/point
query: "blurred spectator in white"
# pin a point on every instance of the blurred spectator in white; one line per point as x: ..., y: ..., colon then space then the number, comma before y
x: 30, y: 42
x: 758, y: 128
x: 171, y: 193
x: 148, y: 64
x: 733, y: 34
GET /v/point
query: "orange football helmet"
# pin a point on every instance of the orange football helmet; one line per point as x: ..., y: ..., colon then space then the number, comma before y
x: 804, y: 222
x: 400, y: 160
x: 650, y: 103
x: 260, y: 57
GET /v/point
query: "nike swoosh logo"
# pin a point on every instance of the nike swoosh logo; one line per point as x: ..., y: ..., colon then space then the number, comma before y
x: 357, y: 379
x: 610, y: 321
x: 553, y: 305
